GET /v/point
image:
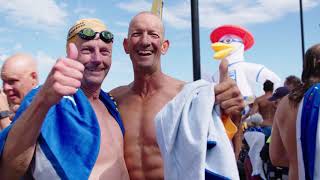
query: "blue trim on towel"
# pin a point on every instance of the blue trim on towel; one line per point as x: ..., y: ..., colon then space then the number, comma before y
x: 259, y: 74
x: 209, y: 175
x: 108, y: 101
x: 309, y: 123
x: 55, y: 163
x: 211, y: 144
x: 229, y: 65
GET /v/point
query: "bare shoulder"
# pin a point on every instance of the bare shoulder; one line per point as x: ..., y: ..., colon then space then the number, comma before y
x: 174, y: 85
x: 286, y: 112
x: 120, y: 91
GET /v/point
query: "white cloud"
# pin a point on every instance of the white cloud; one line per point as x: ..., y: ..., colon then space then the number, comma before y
x: 45, y: 63
x: 37, y: 14
x: 84, y: 11
x: 135, y: 6
x: 248, y: 12
x: 218, y: 12
x: 3, y: 57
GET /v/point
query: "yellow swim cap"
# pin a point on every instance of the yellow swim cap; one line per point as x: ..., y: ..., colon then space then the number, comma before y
x: 92, y: 23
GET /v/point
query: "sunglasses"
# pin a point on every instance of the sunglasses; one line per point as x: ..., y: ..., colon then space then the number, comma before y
x: 89, y: 34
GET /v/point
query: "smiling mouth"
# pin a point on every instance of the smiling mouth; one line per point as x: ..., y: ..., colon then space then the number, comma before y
x: 144, y: 52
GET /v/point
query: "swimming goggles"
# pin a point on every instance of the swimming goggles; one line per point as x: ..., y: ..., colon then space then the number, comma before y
x: 89, y: 34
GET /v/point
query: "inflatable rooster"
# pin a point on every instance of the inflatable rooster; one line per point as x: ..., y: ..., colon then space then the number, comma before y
x: 230, y: 42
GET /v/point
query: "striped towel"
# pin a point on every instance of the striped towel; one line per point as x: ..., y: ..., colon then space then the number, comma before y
x: 308, y: 135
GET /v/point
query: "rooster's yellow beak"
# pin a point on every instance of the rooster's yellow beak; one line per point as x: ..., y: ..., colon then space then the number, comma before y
x: 221, y: 50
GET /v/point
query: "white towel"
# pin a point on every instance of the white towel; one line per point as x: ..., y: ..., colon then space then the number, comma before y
x: 255, y: 140
x: 192, y: 138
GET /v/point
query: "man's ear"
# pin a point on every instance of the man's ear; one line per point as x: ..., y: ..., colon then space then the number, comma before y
x: 35, y: 77
x: 165, y: 46
x: 126, y: 45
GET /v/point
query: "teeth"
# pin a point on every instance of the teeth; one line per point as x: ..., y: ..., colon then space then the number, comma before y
x: 144, y: 52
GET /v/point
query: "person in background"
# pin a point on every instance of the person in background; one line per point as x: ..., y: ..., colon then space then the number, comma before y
x: 292, y: 82
x: 290, y: 144
x: 19, y: 75
x: 265, y: 108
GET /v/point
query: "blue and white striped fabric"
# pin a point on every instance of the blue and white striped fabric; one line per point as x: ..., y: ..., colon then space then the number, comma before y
x: 308, y: 135
x: 69, y: 141
x: 192, y: 138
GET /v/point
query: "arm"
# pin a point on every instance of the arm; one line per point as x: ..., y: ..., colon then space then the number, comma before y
x: 64, y: 79
x: 255, y: 107
x: 20, y: 144
x: 277, y: 152
x: 228, y: 95
x: 4, y: 122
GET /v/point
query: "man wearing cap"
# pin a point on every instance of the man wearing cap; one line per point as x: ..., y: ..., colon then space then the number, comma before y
x: 69, y: 128
x: 273, y: 171
x: 278, y: 94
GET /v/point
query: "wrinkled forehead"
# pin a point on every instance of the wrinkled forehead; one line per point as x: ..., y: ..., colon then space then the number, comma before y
x: 146, y: 21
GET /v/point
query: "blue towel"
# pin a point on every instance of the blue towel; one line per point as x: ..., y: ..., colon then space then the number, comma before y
x: 69, y: 141
x: 308, y: 135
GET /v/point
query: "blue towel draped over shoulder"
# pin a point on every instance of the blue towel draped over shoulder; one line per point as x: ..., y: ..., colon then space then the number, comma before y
x: 70, y: 134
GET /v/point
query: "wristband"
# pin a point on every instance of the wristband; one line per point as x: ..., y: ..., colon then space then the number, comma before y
x: 4, y: 114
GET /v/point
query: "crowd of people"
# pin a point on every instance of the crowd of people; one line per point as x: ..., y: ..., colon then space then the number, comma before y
x: 69, y: 128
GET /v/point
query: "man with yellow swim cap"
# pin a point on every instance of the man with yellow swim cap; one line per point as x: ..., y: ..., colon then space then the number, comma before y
x: 69, y: 128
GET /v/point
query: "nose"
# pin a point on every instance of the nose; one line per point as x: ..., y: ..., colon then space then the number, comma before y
x: 96, y: 57
x: 145, y: 39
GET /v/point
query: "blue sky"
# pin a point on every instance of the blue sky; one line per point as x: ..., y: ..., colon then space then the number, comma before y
x: 39, y: 27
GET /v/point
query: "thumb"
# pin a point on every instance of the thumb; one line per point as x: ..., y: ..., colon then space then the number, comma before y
x: 223, y: 70
x: 72, y: 51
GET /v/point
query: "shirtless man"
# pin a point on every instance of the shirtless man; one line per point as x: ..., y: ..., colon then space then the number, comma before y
x: 19, y: 75
x: 265, y: 107
x: 82, y: 72
x: 283, y: 146
x: 141, y: 100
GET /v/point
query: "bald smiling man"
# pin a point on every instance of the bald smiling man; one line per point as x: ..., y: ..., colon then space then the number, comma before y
x: 19, y: 76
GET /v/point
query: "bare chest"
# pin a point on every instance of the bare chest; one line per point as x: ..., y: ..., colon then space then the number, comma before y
x: 110, y: 161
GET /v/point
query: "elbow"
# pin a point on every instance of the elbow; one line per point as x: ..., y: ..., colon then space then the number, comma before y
x: 278, y: 159
x: 274, y: 159
x: 12, y: 169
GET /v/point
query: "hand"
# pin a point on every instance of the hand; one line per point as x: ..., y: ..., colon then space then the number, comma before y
x: 4, y: 106
x: 64, y: 78
x: 227, y: 93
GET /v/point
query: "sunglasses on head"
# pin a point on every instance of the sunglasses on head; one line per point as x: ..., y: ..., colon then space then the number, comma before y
x: 89, y: 34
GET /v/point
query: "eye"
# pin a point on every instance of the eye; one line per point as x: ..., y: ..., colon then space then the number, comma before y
x: 155, y: 35
x: 105, y: 52
x: 85, y: 50
x: 136, y: 34
x: 227, y: 41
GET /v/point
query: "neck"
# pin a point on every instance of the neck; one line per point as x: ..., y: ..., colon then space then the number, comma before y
x: 268, y: 92
x: 236, y: 56
x: 92, y: 93
x: 146, y: 83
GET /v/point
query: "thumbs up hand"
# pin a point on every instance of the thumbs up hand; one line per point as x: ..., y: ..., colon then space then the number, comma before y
x: 65, y: 77
x: 227, y: 93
